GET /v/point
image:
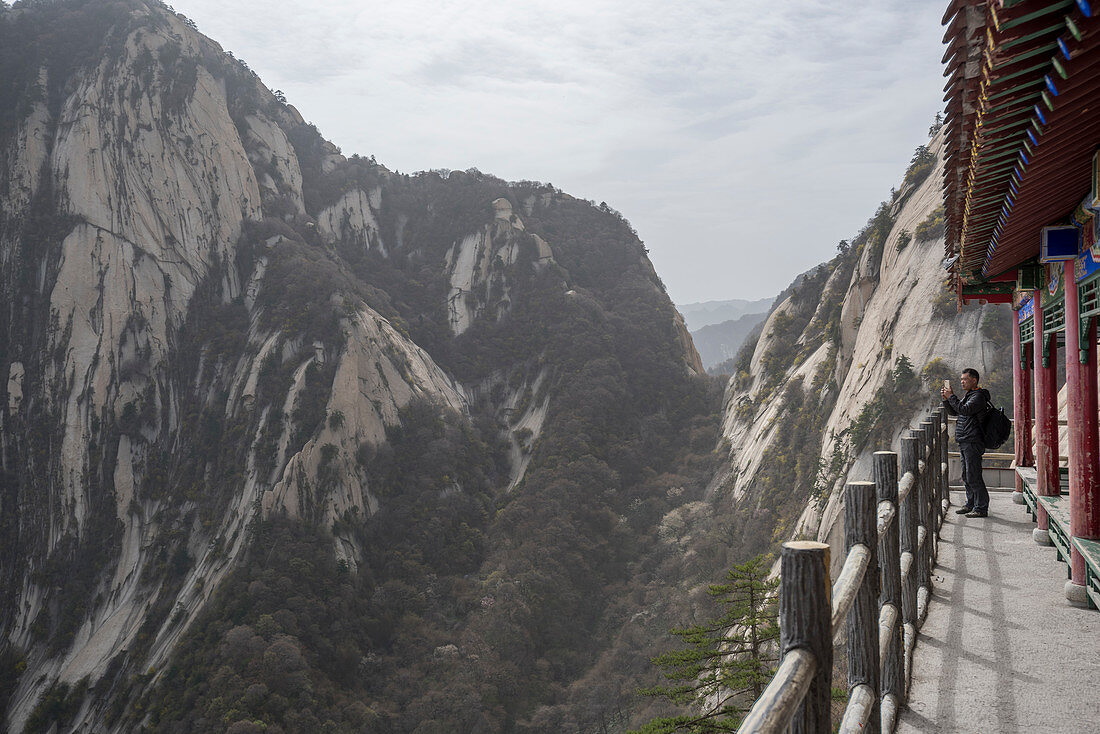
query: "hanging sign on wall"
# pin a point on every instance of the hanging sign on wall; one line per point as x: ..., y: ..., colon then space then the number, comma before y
x: 1059, y: 243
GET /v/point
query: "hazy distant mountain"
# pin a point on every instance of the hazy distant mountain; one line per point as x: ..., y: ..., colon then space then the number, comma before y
x: 719, y: 342
x: 707, y: 313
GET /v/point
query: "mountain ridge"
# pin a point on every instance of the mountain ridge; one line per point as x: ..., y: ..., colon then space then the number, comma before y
x: 287, y: 437
x: 719, y: 343
x: 707, y: 313
x: 267, y: 324
x: 849, y: 359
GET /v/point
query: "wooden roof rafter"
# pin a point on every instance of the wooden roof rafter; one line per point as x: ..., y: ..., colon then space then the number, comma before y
x: 1030, y: 80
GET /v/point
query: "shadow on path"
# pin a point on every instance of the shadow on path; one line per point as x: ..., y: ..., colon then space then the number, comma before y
x: 1001, y: 649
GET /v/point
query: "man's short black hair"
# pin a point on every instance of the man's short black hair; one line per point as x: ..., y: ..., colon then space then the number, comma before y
x: 973, y: 373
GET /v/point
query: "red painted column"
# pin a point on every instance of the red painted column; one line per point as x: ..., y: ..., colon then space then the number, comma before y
x: 1084, y: 447
x: 1046, y: 418
x: 1085, y: 509
x: 1021, y: 405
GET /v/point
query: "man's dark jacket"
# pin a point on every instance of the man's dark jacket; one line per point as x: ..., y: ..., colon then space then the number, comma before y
x: 974, y: 403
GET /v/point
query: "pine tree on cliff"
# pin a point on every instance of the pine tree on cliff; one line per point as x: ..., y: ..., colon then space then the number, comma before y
x: 728, y: 661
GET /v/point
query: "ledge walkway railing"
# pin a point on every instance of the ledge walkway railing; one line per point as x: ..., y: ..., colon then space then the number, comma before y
x: 891, y: 531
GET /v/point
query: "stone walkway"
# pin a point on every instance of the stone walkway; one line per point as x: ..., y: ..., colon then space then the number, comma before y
x: 1001, y: 649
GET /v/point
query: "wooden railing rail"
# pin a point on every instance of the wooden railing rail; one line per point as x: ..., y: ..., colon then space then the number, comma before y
x: 891, y: 535
x: 848, y: 583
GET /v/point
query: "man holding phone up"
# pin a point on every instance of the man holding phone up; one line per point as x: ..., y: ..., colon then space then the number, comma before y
x: 968, y: 434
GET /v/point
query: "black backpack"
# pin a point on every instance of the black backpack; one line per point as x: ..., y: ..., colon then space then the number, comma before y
x: 996, y: 426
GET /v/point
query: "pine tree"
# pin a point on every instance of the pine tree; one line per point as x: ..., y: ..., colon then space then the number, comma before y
x: 728, y: 661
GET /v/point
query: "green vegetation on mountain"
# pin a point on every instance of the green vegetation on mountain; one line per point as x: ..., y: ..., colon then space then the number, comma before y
x: 931, y: 227
x: 462, y: 605
x: 493, y: 602
x: 920, y: 166
x: 791, y: 471
x: 298, y: 640
x: 456, y: 595
x: 895, y: 400
x: 793, y: 468
x: 728, y: 660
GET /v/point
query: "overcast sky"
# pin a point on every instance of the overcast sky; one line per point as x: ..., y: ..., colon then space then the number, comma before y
x: 741, y: 138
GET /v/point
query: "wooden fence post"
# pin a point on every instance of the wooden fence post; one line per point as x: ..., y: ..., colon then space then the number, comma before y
x: 931, y: 527
x: 894, y: 569
x: 945, y: 479
x: 893, y: 665
x: 937, y: 477
x: 861, y: 528
x: 805, y: 621
x: 910, y: 451
x: 924, y: 552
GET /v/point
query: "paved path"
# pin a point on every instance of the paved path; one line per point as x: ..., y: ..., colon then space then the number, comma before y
x: 1001, y: 649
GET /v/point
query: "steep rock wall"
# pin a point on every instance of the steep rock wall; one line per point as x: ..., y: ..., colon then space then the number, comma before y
x: 213, y: 321
x: 151, y: 191
x: 873, y: 306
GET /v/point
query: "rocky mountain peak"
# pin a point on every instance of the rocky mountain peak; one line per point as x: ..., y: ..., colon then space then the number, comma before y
x: 222, y: 338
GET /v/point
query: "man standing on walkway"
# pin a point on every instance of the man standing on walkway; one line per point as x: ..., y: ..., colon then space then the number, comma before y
x: 968, y: 434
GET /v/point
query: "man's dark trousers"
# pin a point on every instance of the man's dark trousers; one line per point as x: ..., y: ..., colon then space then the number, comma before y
x: 977, y: 496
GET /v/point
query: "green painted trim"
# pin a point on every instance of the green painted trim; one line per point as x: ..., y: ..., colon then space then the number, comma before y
x: 1024, y: 104
x: 1059, y: 68
x: 978, y: 225
x: 1085, y: 316
x: 996, y: 175
x: 1037, y: 14
x: 1022, y: 72
x: 984, y: 199
x: 1049, y: 30
x: 1073, y: 29
x: 1010, y: 149
x: 1037, y: 51
x: 1019, y: 123
x: 989, y: 179
x: 1033, y: 83
x: 1093, y: 276
x: 1057, y: 508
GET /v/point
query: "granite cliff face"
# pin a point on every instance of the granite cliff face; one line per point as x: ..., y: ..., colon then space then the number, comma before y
x: 212, y: 318
x: 288, y: 437
x: 851, y: 357
x: 150, y: 193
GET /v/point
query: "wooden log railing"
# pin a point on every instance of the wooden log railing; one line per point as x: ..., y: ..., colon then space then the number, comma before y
x: 891, y: 534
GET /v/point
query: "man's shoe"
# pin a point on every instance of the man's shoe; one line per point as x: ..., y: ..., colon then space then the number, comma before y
x: 964, y: 510
x: 977, y: 513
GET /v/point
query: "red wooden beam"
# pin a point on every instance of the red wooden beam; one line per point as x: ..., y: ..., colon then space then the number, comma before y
x: 988, y: 298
